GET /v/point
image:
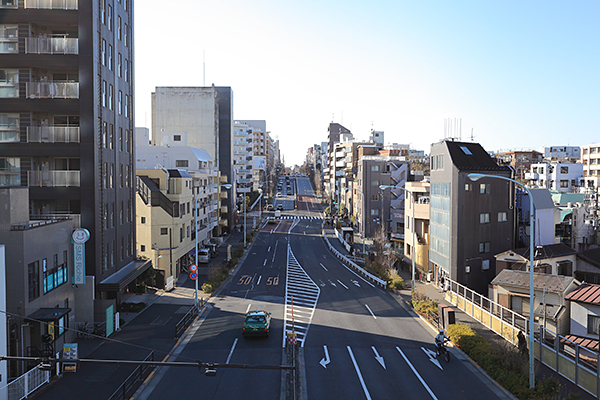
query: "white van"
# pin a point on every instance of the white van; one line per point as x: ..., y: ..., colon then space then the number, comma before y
x: 203, y: 256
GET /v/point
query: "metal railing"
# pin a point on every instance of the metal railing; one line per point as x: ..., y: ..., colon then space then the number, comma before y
x: 52, y: 90
x: 353, y: 265
x: 52, y: 4
x: 188, y: 318
x: 26, y: 384
x: 53, y: 134
x: 134, y: 380
x: 576, y: 363
x: 53, y: 178
x: 51, y: 45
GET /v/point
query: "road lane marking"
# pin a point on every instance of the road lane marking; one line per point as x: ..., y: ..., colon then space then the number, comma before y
x: 342, y: 284
x: 360, y: 378
x: 324, y: 267
x: 370, y: 311
x: 378, y: 357
x: 432, y: 357
x: 269, y: 249
x: 265, y: 263
x: 332, y: 284
x: 259, y: 278
x: 248, y: 309
x: 231, y: 351
x: 416, y: 373
x: 325, y: 360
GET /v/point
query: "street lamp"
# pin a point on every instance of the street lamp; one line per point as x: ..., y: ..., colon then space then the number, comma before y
x: 413, y: 255
x: 474, y: 177
x: 226, y: 186
x: 364, y: 219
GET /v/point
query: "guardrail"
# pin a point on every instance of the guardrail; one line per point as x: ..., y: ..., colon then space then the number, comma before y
x: 576, y: 363
x: 353, y: 265
x: 133, y: 381
x: 25, y: 384
x: 187, y: 319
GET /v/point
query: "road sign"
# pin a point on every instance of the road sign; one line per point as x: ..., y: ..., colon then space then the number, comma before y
x: 193, y: 268
x: 194, y: 276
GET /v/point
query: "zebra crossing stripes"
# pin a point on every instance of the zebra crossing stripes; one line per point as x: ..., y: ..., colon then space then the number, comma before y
x: 301, y: 296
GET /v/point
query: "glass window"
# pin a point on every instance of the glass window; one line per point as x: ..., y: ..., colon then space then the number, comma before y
x: 593, y: 322
x: 34, y: 280
x: 110, y: 97
x: 484, y: 188
x: 119, y: 65
x: 9, y: 127
x: 8, y: 4
x: 502, y: 217
x: 467, y: 187
x: 484, y: 218
x: 109, y: 17
x: 375, y: 168
x: 164, y: 231
x: 9, y: 83
x: 104, y: 90
x: 375, y: 183
x: 181, y: 163
x: 8, y: 39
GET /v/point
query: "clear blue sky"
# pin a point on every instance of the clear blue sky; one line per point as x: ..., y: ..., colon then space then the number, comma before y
x: 520, y: 74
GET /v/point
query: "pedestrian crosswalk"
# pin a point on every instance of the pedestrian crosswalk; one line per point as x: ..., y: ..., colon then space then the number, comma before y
x: 301, y: 296
x: 300, y: 217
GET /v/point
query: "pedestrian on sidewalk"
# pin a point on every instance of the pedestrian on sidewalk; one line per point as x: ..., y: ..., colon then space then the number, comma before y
x: 442, y: 283
x: 447, y: 285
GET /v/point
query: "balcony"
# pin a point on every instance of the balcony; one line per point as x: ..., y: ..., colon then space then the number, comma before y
x: 53, y: 134
x: 223, y: 195
x: 52, y: 90
x: 532, y: 175
x: 9, y: 90
x: 53, y: 178
x: 9, y: 135
x: 223, y: 209
x: 223, y: 222
x: 46, y: 45
x: 10, y: 178
x: 52, y: 4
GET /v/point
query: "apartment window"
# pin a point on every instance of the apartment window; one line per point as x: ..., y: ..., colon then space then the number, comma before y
x: 143, y: 219
x: 109, y: 17
x: 564, y: 170
x: 375, y: 183
x: 111, y: 136
x: 8, y: 4
x: 127, y: 176
x: 119, y: 35
x: 121, y: 178
x: 110, y: 57
x: 129, y: 211
x: 484, y: 247
x: 121, y: 211
x: 120, y: 139
x: 127, y: 141
x: 375, y: 197
x: 9, y: 83
x: 484, y: 218
x: 467, y: 187
x: 564, y: 183
x: 103, y: 11
x: 177, y: 138
x: 120, y: 65
x: 181, y: 163
x: 34, y: 280
x: 110, y: 97
x: 104, y: 93
x: 593, y: 322
x: 142, y: 248
x: 126, y: 74
x: 8, y: 39
x: 502, y: 217
x: 9, y: 127
x: 484, y: 188
x: 374, y: 168
x: 126, y: 34
x: 374, y: 212
x: 111, y: 183
x: 105, y: 217
x: 127, y: 106
x: 112, y: 215
x: 122, y: 247
x: 105, y: 175
x: 120, y: 102
x: 485, y: 265
x: 103, y: 52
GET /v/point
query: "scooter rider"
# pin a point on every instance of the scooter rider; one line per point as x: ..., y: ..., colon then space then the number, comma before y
x: 440, y: 339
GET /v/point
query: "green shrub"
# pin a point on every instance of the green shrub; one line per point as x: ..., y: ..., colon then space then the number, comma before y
x: 396, y: 283
x: 207, y: 287
x: 238, y: 252
x: 457, y: 331
x: 424, y: 305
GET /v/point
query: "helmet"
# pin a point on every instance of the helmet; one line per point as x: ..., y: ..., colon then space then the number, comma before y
x: 441, y: 330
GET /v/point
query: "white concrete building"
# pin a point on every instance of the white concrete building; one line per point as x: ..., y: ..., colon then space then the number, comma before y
x: 564, y: 177
x: 561, y: 153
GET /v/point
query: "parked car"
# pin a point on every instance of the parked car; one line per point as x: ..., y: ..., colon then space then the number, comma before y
x: 203, y: 256
x: 280, y: 206
x: 271, y: 220
x: 270, y: 207
x: 257, y: 323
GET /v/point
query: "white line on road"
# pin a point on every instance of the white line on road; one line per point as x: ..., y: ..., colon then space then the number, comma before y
x: 259, y: 278
x: 231, y: 351
x: 265, y: 263
x: 324, y: 267
x: 342, y: 284
x: 248, y: 309
x: 416, y: 373
x: 269, y: 249
x: 360, y: 378
x: 370, y: 311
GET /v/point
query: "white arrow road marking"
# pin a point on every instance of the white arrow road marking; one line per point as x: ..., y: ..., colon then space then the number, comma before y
x: 432, y: 357
x: 325, y: 360
x: 322, y: 284
x: 324, y: 267
x: 378, y: 357
x: 360, y: 378
x: 231, y: 351
x: 370, y: 311
x: 342, y: 284
x: 417, y: 374
x: 356, y: 283
x: 333, y: 284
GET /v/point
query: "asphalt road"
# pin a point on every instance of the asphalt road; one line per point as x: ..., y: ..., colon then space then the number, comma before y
x: 359, y: 341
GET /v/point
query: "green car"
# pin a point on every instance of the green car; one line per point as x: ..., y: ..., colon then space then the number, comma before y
x: 257, y: 323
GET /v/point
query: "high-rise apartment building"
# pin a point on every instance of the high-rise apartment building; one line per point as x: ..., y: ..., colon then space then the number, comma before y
x: 66, y: 125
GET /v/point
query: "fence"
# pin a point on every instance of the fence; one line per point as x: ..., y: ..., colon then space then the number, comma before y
x: 24, y: 385
x: 134, y: 380
x: 574, y: 362
x: 353, y: 265
x: 187, y: 319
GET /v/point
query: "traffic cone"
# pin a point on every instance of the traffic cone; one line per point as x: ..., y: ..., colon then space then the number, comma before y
x: 127, y: 289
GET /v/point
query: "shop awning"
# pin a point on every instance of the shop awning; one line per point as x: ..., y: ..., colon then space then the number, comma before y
x: 123, y: 277
x: 49, y: 314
